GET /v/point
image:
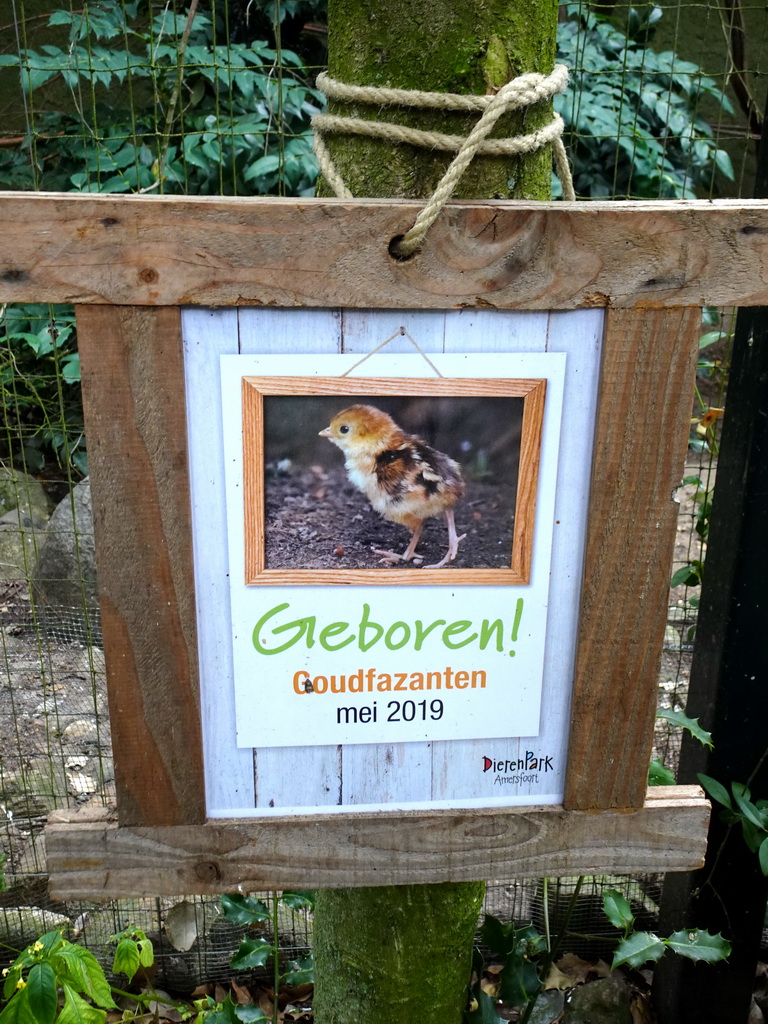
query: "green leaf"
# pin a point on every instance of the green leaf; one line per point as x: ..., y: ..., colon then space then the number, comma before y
x: 742, y: 797
x: 617, y: 909
x: 298, y: 899
x: 763, y: 856
x: 264, y: 165
x: 244, y: 910
x: 699, y: 945
x: 691, y: 724
x: 250, y: 1014
x: 486, y: 1009
x: 710, y: 338
x: 127, y: 960
x: 81, y: 968
x: 11, y: 981
x: 519, y: 981
x: 77, y: 1011
x: 17, y: 1011
x: 302, y: 971
x: 252, y: 953
x: 714, y: 789
x: 146, y: 952
x: 638, y: 949
x: 659, y: 774
x: 42, y: 993
x: 686, y: 576
x: 500, y: 938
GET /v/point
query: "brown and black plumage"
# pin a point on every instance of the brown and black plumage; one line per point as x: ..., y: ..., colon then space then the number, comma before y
x: 405, y: 480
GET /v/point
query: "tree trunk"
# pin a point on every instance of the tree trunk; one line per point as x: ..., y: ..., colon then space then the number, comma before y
x: 395, y: 954
x: 439, y: 46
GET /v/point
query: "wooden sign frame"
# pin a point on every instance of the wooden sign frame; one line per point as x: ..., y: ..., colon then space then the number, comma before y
x: 255, y: 389
x: 130, y: 263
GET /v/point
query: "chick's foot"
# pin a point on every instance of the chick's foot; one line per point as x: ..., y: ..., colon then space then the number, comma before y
x: 392, y: 557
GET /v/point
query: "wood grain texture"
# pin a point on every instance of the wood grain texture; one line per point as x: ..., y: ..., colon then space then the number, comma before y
x: 133, y: 394
x: 254, y: 389
x: 209, y: 334
x: 644, y: 411
x: 93, y: 860
x: 157, y: 250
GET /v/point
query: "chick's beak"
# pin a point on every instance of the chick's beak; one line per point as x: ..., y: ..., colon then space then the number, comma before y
x: 325, y: 432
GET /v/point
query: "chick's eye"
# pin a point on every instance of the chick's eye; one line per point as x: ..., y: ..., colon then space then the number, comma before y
x: 344, y: 429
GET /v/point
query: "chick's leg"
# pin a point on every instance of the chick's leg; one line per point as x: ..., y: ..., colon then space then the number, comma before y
x: 453, y: 541
x: 392, y: 557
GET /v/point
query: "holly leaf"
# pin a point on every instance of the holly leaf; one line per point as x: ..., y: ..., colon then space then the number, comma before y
x: 299, y: 899
x: 691, y: 724
x: 252, y: 953
x: 659, y: 774
x: 696, y: 944
x: 617, y: 909
x: 638, y: 949
x: 250, y: 1014
x: 484, y: 1012
x: 245, y: 910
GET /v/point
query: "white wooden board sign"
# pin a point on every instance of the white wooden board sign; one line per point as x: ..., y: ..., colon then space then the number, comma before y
x: 334, y: 673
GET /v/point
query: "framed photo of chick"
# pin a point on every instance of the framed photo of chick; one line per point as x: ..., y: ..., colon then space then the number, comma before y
x: 369, y: 480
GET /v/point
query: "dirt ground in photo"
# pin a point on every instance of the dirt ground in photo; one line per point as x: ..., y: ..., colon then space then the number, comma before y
x: 316, y: 519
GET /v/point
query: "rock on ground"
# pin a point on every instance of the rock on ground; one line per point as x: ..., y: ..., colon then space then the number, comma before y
x: 64, y: 581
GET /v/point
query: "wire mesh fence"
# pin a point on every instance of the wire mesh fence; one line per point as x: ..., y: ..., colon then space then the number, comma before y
x: 131, y: 96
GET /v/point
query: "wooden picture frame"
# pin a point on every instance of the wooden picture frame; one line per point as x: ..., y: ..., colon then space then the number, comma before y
x: 256, y: 389
x: 651, y: 265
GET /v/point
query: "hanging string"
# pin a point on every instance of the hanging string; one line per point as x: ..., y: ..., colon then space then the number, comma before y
x: 399, y: 333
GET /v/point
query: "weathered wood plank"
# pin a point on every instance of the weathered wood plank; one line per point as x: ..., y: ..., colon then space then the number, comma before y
x: 644, y: 410
x: 212, y: 251
x: 209, y: 334
x: 133, y: 394
x: 101, y: 860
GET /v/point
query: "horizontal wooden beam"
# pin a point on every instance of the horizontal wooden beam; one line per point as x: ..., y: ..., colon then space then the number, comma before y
x: 217, y: 251
x: 96, y: 859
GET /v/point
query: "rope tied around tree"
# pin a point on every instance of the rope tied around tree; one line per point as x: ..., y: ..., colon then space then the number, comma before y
x: 524, y: 91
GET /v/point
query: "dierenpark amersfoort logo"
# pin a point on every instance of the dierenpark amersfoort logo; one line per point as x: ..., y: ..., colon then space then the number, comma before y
x: 519, y: 770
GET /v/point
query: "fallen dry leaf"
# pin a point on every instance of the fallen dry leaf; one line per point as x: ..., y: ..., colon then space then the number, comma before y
x: 557, y: 980
x: 491, y: 988
x: 300, y: 993
x: 241, y: 994
x: 641, y: 1010
x: 578, y: 970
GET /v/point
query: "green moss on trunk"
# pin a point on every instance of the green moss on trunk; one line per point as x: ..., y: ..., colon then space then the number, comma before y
x: 439, y: 46
x: 394, y: 955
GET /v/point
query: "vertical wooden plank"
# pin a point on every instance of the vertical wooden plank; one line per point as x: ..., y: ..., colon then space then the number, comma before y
x: 294, y: 776
x: 133, y: 394
x: 644, y: 410
x: 209, y: 334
